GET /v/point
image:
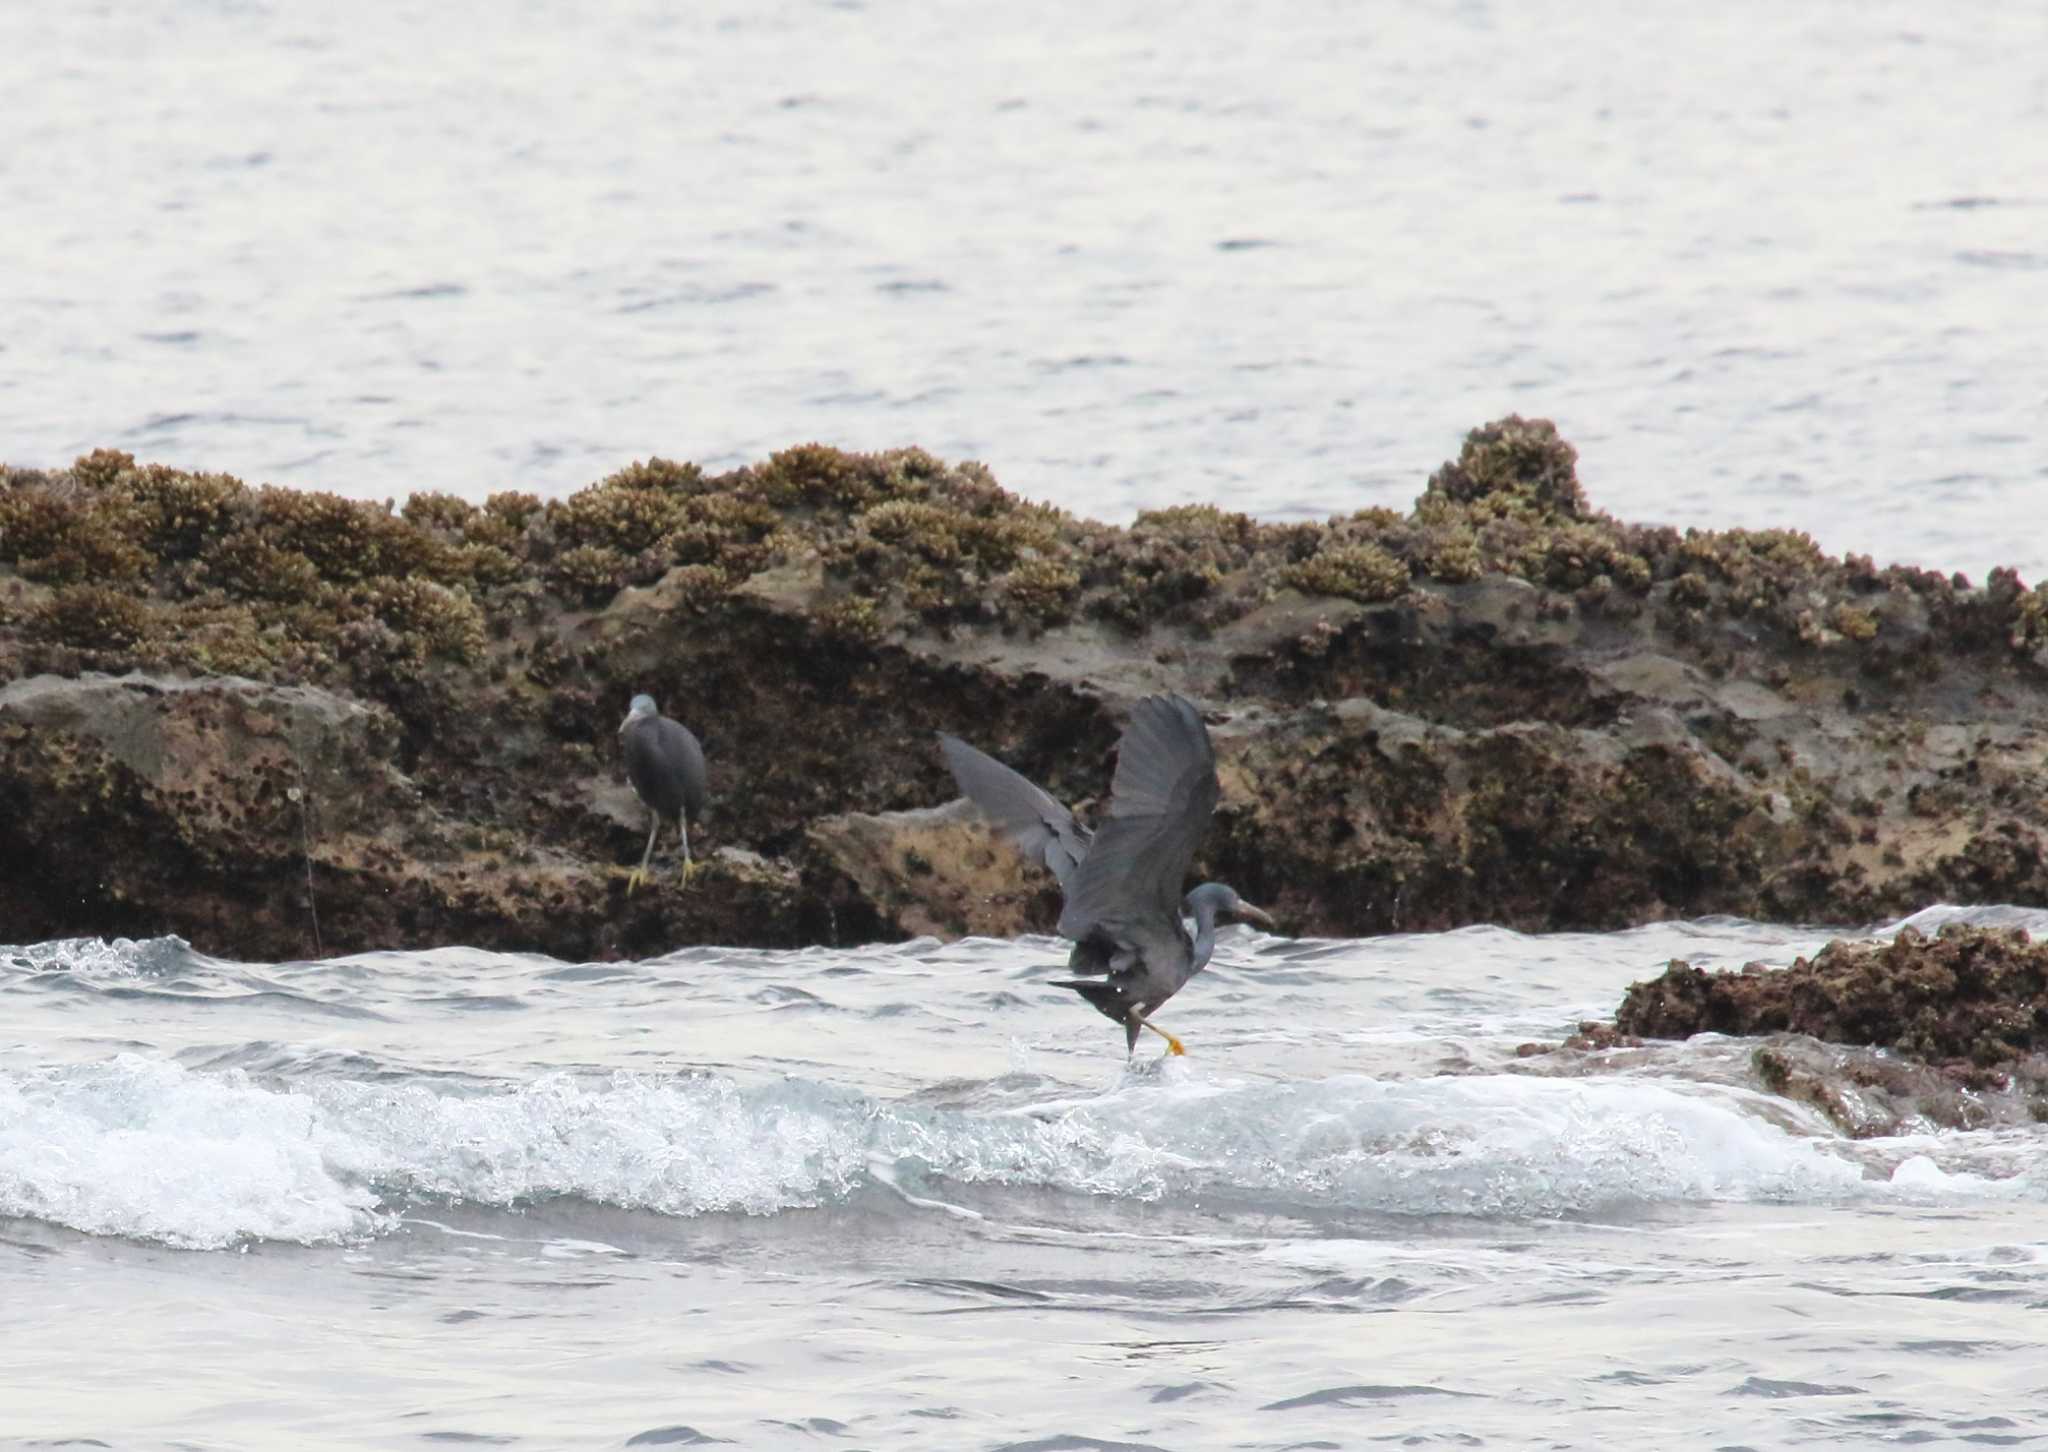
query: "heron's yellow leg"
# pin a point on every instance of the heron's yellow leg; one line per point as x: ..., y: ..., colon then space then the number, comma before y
x: 1173, y: 1045
x: 690, y: 864
x: 640, y: 873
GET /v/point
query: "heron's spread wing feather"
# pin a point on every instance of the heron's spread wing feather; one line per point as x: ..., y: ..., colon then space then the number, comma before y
x: 1036, y: 825
x: 1126, y: 894
x: 1163, y: 743
x: 666, y: 766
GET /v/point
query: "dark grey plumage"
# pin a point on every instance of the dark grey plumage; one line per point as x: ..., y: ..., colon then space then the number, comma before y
x: 1123, y: 885
x: 665, y: 763
x: 1039, y: 827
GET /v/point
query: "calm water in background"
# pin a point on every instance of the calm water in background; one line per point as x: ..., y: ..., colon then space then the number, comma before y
x: 909, y: 1196
x: 1766, y: 264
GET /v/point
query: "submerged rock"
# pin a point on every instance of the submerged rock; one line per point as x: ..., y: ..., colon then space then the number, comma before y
x: 1865, y: 1092
x: 1869, y: 1092
x: 1501, y: 706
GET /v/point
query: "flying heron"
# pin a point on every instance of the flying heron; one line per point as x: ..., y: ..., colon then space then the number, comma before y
x: 1122, y: 883
x: 666, y: 766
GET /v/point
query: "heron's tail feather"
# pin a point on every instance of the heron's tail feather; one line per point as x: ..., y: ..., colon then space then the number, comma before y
x: 1108, y: 1001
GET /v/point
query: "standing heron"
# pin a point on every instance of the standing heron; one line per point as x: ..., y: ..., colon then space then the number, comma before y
x: 1122, y: 883
x: 666, y: 766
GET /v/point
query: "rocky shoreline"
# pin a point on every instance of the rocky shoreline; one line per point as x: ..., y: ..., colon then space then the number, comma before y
x: 1881, y: 1035
x: 279, y: 723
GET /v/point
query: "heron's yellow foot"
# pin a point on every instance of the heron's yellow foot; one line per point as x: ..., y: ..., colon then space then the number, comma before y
x: 1173, y: 1045
x: 690, y: 870
x: 634, y: 878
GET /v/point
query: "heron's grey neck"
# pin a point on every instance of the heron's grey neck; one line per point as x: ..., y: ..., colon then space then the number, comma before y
x: 1204, y: 911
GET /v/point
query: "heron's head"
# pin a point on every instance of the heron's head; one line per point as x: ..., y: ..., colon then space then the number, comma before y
x: 1213, y: 900
x: 640, y: 708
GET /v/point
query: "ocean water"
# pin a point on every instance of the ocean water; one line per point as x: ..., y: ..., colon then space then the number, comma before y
x: 1766, y: 264
x: 910, y: 1196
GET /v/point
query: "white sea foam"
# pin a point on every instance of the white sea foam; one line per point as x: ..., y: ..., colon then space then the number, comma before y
x: 145, y: 1148
x: 148, y: 1149
x: 98, y: 958
x: 1933, y: 919
x: 1494, y: 1145
x: 1919, y: 1177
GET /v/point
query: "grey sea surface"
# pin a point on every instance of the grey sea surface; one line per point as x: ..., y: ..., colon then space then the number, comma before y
x: 911, y: 1196
x: 1765, y: 264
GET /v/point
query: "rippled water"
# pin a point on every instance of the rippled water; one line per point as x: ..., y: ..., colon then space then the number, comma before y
x: 1766, y: 264
x: 910, y: 1196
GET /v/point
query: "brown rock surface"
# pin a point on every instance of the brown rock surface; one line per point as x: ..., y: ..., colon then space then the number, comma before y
x: 271, y: 821
x: 1501, y: 706
x: 938, y: 871
x: 1881, y: 1037
x: 1969, y: 996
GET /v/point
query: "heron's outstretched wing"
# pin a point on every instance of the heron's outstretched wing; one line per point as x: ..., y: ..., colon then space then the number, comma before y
x: 1123, y: 902
x: 1164, y: 742
x: 1036, y: 825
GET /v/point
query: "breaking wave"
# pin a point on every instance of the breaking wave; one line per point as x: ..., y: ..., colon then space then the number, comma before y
x: 148, y: 1149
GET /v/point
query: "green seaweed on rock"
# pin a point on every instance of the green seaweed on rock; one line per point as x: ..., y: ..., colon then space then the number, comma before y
x: 1362, y: 572
x: 94, y: 617
x: 1514, y: 466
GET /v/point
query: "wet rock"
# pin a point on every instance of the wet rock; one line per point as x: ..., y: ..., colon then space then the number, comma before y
x: 1865, y: 1092
x: 1948, y: 1031
x: 1968, y: 996
x: 1594, y: 1036
x: 1591, y: 1037
x: 1874, y: 1092
x: 1502, y: 706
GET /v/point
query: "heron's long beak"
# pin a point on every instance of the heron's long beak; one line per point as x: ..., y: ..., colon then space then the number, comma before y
x: 1252, y: 914
x: 624, y: 724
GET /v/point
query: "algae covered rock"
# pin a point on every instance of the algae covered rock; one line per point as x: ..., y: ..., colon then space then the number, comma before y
x: 1515, y: 465
x: 1882, y: 1037
x: 1968, y: 995
x: 274, y: 822
x: 1502, y: 705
